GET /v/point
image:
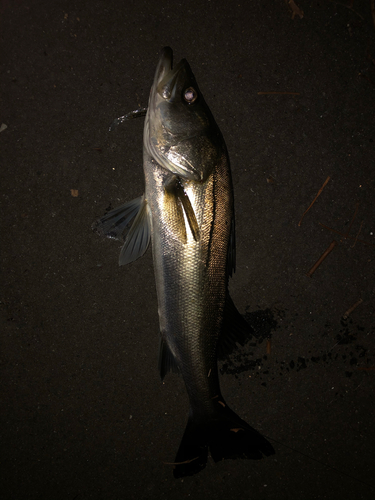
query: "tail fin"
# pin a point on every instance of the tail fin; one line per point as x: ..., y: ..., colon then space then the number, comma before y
x: 225, y: 434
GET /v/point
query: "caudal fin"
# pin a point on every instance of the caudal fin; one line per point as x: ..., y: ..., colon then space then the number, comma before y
x: 225, y: 434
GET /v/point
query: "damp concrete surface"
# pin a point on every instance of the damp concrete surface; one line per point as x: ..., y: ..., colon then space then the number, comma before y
x: 83, y: 412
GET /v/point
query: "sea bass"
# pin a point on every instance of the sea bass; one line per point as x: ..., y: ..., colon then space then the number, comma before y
x: 187, y: 212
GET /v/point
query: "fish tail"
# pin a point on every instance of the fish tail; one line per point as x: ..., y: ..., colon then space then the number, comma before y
x: 225, y: 434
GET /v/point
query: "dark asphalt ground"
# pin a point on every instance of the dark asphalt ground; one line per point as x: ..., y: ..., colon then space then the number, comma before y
x: 83, y: 412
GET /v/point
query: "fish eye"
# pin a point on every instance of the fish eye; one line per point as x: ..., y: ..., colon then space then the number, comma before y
x: 190, y: 95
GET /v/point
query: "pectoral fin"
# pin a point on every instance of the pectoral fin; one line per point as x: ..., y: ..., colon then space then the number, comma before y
x: 189, y: 210
x: 173, y: 210
x: 177, y: 203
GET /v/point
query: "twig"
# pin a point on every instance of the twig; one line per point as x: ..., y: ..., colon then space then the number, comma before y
x: 348, y: 7
x: 296, y: 11
x: 279, y: 93
x: 181, y: 463
x: 348, y: 237
x: 351, y: 309
x: 314, y: 200
x: 356, y: 238
x: 320, y: 260
x: 351, y: 223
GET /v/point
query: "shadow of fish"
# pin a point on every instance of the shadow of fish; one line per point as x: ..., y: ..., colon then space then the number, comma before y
x: 187, y: 211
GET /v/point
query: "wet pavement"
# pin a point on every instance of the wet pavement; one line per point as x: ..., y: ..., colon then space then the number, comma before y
x: 83, y: 412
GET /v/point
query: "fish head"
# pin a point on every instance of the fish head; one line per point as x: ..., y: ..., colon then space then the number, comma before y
x: 180, y: 131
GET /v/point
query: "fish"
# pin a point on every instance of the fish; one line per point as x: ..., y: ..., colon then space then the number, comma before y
x: 187, y: 212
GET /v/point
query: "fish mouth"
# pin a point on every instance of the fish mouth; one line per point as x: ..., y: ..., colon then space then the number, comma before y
x: 165, y: 64
x: 166, y: 75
